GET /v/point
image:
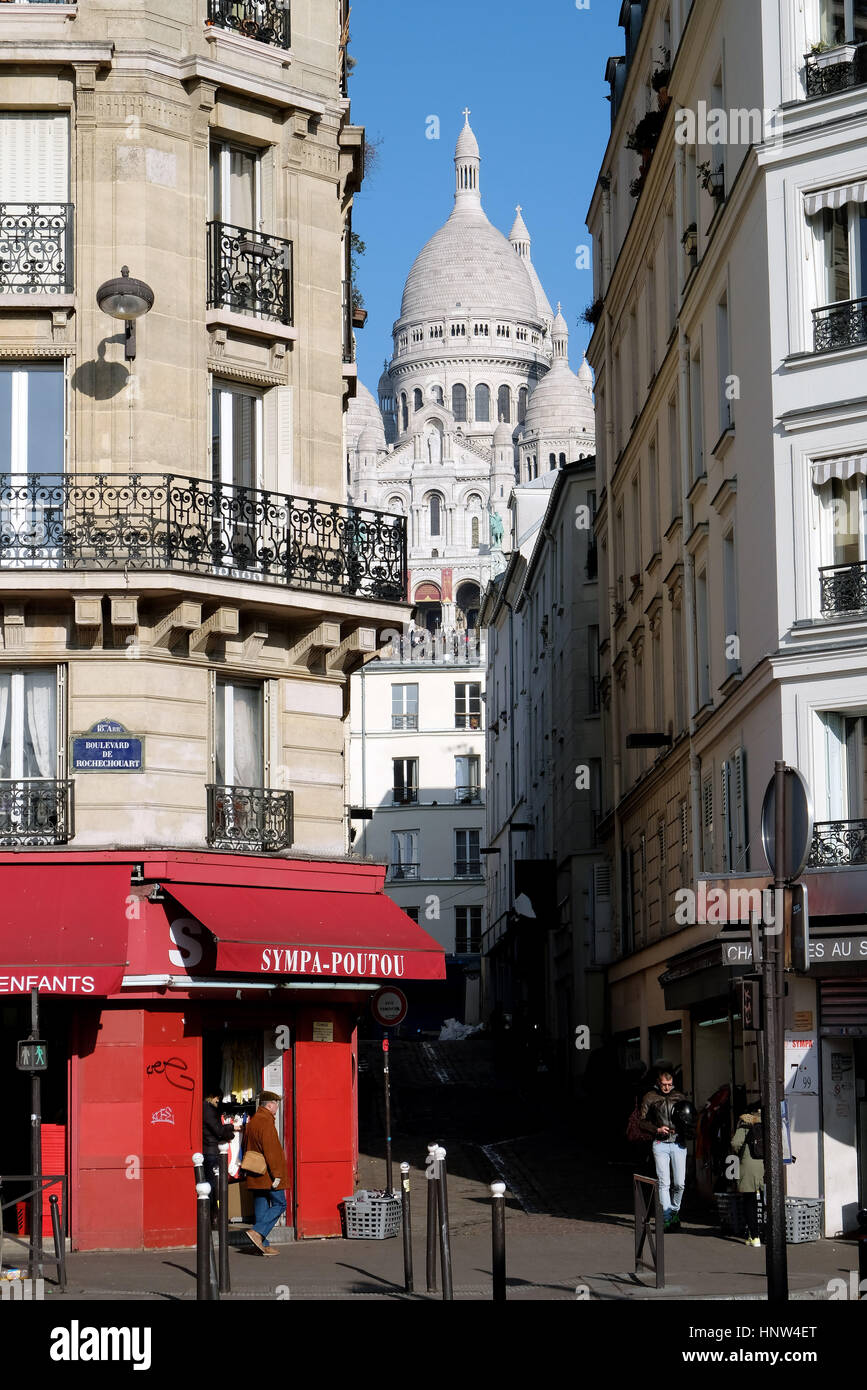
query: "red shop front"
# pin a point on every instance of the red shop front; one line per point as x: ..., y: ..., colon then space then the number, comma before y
x: 170, y: 975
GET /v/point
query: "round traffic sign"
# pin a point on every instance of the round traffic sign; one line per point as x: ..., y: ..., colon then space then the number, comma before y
x: 799, y: 825
x: 389, y: 1006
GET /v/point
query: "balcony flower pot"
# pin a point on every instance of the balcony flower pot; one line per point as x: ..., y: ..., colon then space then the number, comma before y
x: 359, y: 318
x: 837, y: 56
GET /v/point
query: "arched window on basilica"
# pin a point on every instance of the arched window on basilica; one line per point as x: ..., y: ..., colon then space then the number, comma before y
x: 435, y: 503
x: 404, y: 412
x: 523, y: 398
x: 436, y: 395
x: 473, y: 514
x: 417, y: 399
x: 459, y: 402
x: 483, y: 403
x: 467, y: 605
x: 504, y: 405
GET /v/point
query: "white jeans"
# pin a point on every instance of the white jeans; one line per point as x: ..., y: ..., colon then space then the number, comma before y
x: 670, y: 1160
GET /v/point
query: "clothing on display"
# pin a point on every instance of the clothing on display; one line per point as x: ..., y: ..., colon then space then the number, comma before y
x: 240, y: 1077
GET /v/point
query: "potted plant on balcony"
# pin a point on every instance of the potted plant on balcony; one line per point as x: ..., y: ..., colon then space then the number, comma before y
x: 826, y: 55
x: 689, y: 240
x: 660, y: 79
x: 644, y: 136
x: 593, y: 313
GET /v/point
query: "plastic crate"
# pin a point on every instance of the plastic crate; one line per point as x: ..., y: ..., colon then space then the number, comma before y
x: 371, y: 1218
x: 803, y: 1219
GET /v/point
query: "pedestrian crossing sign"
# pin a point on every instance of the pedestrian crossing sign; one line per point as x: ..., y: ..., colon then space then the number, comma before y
x: 32, y: 1055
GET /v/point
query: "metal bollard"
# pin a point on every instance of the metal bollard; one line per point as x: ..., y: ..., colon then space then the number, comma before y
x: 443, y: 1214
x: 59, y: 1243
x: 224, y: 1281
x: 199, y: 1168
x: 498, y: 1240
x: 431, y: 1251
x: 406, y: 1224
x: 205, y: 1291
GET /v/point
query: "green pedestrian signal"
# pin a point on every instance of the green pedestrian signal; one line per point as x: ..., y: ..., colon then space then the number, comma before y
x: 32, y: 1055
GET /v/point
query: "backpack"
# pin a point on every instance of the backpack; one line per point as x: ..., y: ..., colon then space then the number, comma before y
x: 756, y: 1140
x: 634, y: 1132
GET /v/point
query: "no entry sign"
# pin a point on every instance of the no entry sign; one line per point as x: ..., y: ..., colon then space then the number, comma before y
x: 389, y: 1006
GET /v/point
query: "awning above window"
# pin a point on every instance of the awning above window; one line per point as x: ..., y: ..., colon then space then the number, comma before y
x: 844, y: 468
x: 835, y: 197
x: 324, y: 934
x: 63, y: 930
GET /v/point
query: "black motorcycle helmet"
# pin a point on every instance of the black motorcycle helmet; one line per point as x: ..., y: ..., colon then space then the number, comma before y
x: 685, y: 1118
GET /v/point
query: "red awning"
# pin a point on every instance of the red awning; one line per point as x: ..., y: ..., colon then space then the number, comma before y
x: 63, y: 930
x: 330, y: 935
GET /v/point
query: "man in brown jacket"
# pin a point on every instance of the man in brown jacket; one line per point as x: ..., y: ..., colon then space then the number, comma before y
x: 268, y: 1188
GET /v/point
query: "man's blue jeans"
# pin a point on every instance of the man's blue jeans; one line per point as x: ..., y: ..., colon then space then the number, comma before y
x: 670, y: 1160
x: 268, y: 1207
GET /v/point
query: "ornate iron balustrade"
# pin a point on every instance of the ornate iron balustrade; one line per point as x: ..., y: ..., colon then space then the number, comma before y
x: 36, y: 811
x: 404, y: 721
x: 840, y: 325
x: 268, y: 21
x: 36, y: 247
x: 404, y: 796
x: 843, y: 589
x: 162, y: 521
x: 823, y: 78
x: 250, y: 272
x: 468, y: 868
x: 468, y: 796
x: 397, y: 871
x: 250, y: 818
x: 841, y: 842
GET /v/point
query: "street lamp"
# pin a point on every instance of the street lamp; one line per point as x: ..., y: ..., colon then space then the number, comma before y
x: 126, y: 299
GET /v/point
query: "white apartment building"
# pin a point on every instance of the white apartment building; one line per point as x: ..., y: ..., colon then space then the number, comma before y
x: 546, y: 944
x: 417, y: 763
x: 730, y: 353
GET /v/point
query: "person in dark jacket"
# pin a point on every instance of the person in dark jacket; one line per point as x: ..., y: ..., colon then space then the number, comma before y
x: 214, y: 1133
x: 656, y: 1119
x: 751, y: 1171
x: 268, y: 1188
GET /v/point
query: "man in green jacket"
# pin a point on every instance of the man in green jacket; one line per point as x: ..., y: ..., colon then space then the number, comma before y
x: 749, y: 1149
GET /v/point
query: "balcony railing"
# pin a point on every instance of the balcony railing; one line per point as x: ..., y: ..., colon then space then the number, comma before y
x: 36, y: 247
x: 250, y: 818
x: 468, y: 868
x: 404, y: 721
x: 264, y: 20
x: 148, y: 521
x: 843, y: 589
x: 404, y: 796
x: 468, y: 796
x: 840, y: 325
x: 838, y: 843
x: 836, y: 70
x: 36, y: 811
x: 249, y: 272
x: 400, y: 871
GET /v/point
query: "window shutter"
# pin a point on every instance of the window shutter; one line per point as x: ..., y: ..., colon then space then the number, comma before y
x: 278, y: 440
x: 34, y: 157
x: 707, y: 825
x: 725, y: 818
x: 267, y: 211
x: 684, y: 828
x: 739, y: 777
x: 602, y: 913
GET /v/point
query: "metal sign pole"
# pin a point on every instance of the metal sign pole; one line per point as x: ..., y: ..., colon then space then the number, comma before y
x: 389, y: 1184
x: 35, y: 1150
x: 772, y: 1078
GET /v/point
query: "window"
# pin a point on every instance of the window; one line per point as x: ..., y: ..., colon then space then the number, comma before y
x: 468, y: 930
x: 417, y: 399
x: 235, y: 191
x: 483, y: 404
x: 236, y: 435
x: 474, y: 533
x: 523, y: 399
x: 843, y: 503
x: 31, y: 419
x: 468, y: 705
x: 730, y: 600
x: 238, y: 729
x: 733, y: 813
x: 593, y: 669
x: 701, y: 639
x: 651, y: 319
x: 405, y: 782
x: 696, y: 417
x: 435, y: 512
x: 707, y: 824
x: 839, y: 252
x: 405, y: 860
x: 28, y: 725
x: 468, y: 863
x: 412, y: 913
x: 504, y: 405
x: 673, y: 459
x: 653, y: 499
x: 843, y: 21
x: 436, y: 393
x: 679, y: 673
x: 34, y: 157
x: 468, y: 771
x: 404, y: 412
x: 404, y: 706
x: 724, y: 366
x: 459, y: 403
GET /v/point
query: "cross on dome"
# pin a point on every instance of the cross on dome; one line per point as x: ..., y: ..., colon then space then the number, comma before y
x: 466, y: 113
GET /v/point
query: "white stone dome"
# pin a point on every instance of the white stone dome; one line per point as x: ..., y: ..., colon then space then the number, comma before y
x: 468, y: 264
x: 585, y: 375
x: 560, y: 403
x: 503, y: 436
x: 363, y: 418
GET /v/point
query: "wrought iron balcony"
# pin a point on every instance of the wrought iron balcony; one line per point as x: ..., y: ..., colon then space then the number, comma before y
x: 148, y: 521
x: 843, y: 589
x: 36, y: 247
x: 249, y: 272
x: 400, y: 871
x: 468, y: 796
x: 36, y: 811
x: 404, y: 796
x: 264, y: 20
x: 824, y: 75
x: 838, y: 844
x: 250, y: 818
x: 404, y: 721
x: 840, y: 325
x: 468, y: 868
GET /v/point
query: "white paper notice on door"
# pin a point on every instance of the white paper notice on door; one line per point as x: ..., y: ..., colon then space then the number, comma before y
x: 802, y: 1066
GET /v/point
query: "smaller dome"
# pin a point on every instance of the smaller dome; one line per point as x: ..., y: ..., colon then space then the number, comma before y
x: 369, y: 441
x: 467, y: 146
x: 503, y: 436
x: 585, y: 375
x: 519, y: 230
x: 363, y: 418
x: 559, y: 325
x: 385, y: 386
x: 560, y: 403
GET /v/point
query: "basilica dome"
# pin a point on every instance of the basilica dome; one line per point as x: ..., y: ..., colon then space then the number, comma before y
x: 562, y: 401
x: 363, y: 417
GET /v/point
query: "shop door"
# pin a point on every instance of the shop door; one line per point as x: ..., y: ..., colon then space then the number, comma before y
x: 861, y: 1104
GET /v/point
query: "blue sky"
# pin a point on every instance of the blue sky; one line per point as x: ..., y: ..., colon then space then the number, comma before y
x: 533, y: 77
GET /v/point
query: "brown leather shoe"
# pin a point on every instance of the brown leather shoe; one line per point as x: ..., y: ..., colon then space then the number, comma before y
x: 269, y: 1250
x: 257, y: 1241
